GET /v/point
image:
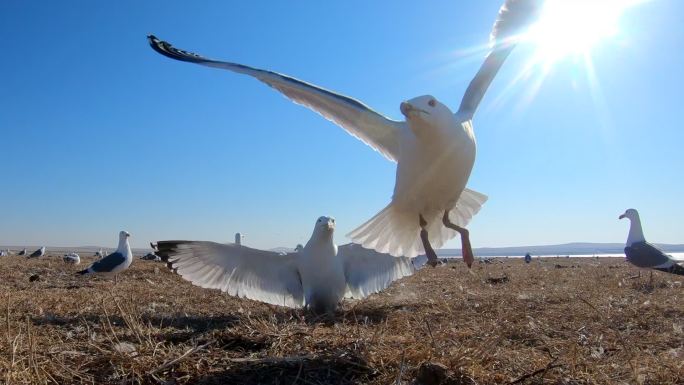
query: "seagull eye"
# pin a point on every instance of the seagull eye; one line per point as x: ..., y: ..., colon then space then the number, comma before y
x: 432, y: 102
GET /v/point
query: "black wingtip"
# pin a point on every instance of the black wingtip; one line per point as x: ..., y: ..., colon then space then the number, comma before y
x: 165, y: 249
x: 82, y: 272
x: 169, y: 51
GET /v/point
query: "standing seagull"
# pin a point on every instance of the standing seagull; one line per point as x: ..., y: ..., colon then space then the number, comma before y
x: 38, y: 253
x: 434, y: 148
x: 22, y: 252
x: 238, y: 238
x: 115, y: 262
x: 317, y: 277
x: 643, y: 254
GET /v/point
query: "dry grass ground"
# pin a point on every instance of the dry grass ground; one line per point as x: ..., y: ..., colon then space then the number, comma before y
x: 559, y: 321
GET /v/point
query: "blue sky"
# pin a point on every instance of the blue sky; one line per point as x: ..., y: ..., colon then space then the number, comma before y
x: 99, y: 133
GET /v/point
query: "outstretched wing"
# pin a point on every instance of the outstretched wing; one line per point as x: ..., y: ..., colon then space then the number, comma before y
x: 513, y: 16
x: 237, y: 270
x: 375, y: 130
x: 367, y: 271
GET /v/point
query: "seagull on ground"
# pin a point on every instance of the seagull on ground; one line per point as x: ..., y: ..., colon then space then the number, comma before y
x: 22, y: 252
x: 115, y: 262
x: 433, y: 147
x: 72, y: 258
x: 317, y: 277
x: 643, y: 254
x: 38, y: 253
x: 238, y: 238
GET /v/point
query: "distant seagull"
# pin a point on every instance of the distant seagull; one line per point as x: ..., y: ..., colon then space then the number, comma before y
x: 153, y: 246
x: 434, y: 148
x: 38, y: 253
x: 643, y: 254
x: 99, y: 254
x: 22, y: 252
x: 151, y: 257
x: 238, y: 238
x: 299, y: 247
x: 528, y: 258
x: 72, y: 258
x: 317, y: 277
x: 4, y: 253
x: 115, y: 262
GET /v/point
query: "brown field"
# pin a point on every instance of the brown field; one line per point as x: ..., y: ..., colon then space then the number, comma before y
x: 560, y: 321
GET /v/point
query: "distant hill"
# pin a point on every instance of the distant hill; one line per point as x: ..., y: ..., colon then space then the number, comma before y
x: 576, y: 248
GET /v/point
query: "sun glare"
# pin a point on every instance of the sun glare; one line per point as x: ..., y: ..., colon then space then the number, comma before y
x: 573, y: 27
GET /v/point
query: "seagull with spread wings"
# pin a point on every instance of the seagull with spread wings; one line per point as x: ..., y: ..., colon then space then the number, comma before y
x: 317, y: 276
x: 433, y: 147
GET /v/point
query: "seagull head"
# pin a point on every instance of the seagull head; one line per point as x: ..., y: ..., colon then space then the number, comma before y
x: 426, y: 109
x: 325, y: 225
x: 630, y: 213
x: 124, y: 235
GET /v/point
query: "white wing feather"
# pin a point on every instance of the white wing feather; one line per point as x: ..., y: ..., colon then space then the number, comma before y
x: 514, y: 15
x: 368, y: 271
x: 359, y: 120
x: 237, y: 270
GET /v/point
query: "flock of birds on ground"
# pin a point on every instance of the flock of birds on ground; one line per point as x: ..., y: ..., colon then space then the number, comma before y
x: 434, y: 149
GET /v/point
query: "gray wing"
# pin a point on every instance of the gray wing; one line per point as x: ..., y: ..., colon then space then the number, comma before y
x: 513, y: 16
x: 237, y: 270
x: 643, y: 254
x: 35, y: 254
x: 377, y: 131
x: 367, y: 271
x: 108, y: 263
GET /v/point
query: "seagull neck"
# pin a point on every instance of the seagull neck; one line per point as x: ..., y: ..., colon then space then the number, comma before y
x: 636, y: 234
x: 321, y: 238
x: 124, y: 248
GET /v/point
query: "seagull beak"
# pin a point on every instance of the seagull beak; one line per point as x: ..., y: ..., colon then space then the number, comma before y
x: 407, y: 108
x: 331, y: 225
x: 622, y: 216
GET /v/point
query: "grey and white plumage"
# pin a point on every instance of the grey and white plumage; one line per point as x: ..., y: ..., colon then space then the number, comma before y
x: 38, y: 253
x: 72, y: 258
x: 4, y: 253
x: 151, y: 257
x: 641, y: 253
x: 434, y: 148
x: 316, y: 277
x: 115, y: 262
x: 238, y: 238
x: 22, y: 252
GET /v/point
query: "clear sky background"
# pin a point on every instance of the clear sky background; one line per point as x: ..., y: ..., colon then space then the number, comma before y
x: 99, y: 133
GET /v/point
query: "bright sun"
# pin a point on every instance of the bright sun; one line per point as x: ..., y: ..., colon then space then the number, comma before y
x: 573, y: 27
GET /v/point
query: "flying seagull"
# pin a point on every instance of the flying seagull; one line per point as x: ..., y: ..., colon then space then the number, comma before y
x: 38, y: 253
x: 317, y: 277
x: 643, y: 254
x: 434, y: 148
x: 115, y: 262
x: 72, y: 258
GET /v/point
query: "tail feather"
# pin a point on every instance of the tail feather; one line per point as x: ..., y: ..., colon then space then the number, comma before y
x: 83, y: 272
x: 674, y: 269
x: 395, y: 231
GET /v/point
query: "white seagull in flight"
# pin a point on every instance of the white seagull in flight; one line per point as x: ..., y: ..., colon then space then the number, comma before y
x: 434, y: 148
x: 317, y: 276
